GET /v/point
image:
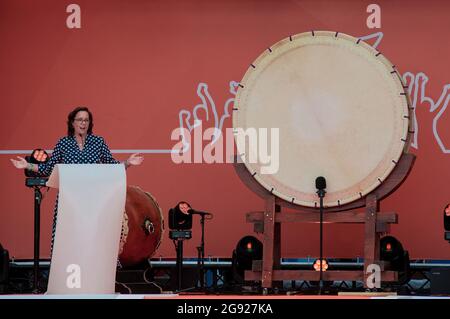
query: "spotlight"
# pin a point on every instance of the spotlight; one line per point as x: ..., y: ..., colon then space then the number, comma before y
x: 391, y: 250
x: 38, y: 156
x: 447, y: 217
x: 4, y: 269
x: 179, y: 218
x: 248, y: 249
x: 317, y: 265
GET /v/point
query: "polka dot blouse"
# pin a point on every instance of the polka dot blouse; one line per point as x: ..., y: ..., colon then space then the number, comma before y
x: 66, y: 151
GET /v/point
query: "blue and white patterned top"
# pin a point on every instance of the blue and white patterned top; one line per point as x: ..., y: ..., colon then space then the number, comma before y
x: 66, y: 151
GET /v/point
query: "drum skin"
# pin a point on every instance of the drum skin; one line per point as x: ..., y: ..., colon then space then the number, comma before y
x: 342, y: 112
x: 142, y: 228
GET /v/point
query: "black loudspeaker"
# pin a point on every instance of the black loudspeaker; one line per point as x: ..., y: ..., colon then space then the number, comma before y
x: 4, y: 269
x: 440, y: 281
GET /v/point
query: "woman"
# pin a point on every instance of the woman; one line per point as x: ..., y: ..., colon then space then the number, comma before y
x: 80, y: 146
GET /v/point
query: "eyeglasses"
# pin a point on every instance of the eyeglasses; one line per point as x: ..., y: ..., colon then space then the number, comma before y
x: 82, y: 120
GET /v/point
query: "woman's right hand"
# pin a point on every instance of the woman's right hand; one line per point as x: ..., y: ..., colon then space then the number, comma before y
x: 20, y: 163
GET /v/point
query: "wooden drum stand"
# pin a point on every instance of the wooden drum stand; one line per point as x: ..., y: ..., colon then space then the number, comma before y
x: 268, y: 222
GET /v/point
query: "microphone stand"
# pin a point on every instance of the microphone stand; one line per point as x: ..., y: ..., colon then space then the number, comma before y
x: 321, y: 194
x: 201, y: 253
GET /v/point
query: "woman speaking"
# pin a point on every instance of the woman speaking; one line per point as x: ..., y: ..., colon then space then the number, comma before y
x: 80, y: 146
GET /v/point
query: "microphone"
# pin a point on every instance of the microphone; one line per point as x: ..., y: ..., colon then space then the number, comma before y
x: 321, y: 184
x: 196, y: 212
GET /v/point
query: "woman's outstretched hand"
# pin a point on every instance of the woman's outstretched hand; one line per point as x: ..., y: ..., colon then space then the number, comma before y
x: 19, y: 163
x: 135, y: 159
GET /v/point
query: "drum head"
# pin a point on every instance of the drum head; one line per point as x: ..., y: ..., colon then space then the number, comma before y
x: 341, y: 110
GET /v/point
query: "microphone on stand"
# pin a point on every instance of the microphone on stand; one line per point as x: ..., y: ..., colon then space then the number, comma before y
x: 321, y: 184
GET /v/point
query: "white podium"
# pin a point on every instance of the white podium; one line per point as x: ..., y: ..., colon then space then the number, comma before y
x: 90, y: 211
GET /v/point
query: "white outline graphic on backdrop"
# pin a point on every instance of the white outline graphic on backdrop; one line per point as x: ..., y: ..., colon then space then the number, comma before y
x: 203, y: 94
x: 416, y: 88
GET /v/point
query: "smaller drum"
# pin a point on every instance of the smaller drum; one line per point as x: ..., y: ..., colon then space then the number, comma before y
x: 142, y: 227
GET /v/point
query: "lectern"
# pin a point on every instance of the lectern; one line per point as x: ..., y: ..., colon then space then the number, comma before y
x: 90, y: 212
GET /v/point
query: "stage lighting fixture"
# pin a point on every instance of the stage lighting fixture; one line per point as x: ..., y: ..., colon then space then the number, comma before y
x: 38, y: 156
x: 4, y: 269
x: 179, y: 219
x: 391, y: 250
x: 248, y: 249
x: 447, y: 217
x: 317, y: 265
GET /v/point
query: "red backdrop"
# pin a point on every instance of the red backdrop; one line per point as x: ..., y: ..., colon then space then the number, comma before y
x: 137, y: 64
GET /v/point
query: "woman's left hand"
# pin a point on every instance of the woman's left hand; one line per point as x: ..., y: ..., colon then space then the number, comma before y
x: 135, y: 159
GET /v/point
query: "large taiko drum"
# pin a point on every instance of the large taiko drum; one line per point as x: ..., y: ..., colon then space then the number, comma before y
x: 142, y: 227
x: 341, y: 110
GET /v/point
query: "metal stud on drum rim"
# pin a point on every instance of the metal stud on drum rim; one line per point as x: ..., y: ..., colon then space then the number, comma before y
x: 342, y: 112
